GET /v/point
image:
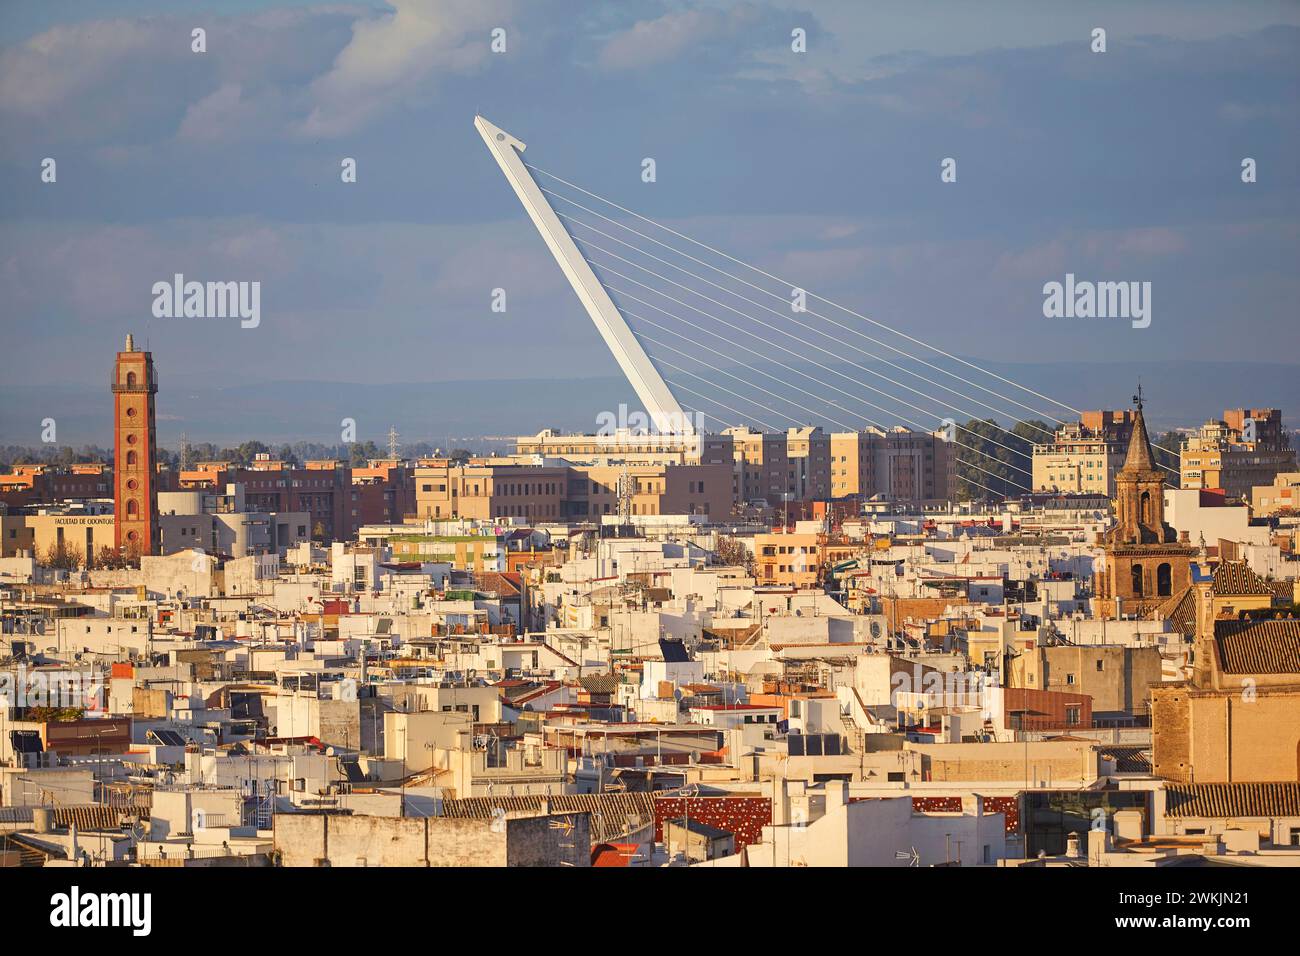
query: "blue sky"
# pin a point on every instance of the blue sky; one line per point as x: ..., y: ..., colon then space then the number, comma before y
x: 822, y: 167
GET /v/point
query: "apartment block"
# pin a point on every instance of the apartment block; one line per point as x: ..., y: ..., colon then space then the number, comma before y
x: 1248, y: 447
x: 321, y: 489
x: 1084, y: 456
x: 901, y: 464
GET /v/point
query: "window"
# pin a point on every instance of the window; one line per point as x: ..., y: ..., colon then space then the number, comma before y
x: 1072, y: 715
x: 1069, y: 679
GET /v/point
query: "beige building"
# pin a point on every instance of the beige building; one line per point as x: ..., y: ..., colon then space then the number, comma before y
x: 1084, y: 455
x: 786, y: 560
x: 628, y: 446
x: 667, y: 489
x: 1282, y: 496
x: 15, y: 535
x: 482, y: 490
x: 540, y: 492
x: 81, y: 534
x: 1118, y: 679
x: 1247, y: 449
x: 853, y: 469
x: 762, y: 466
x: 1238, y: 719
x: 808, y: 454
x: 900, y: 464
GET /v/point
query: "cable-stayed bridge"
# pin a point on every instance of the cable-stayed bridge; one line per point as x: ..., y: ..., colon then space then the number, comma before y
x: 743, y: 346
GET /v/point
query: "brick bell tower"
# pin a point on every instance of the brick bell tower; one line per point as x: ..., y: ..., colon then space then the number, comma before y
x: 135, y: 453
x: 1146, y: 560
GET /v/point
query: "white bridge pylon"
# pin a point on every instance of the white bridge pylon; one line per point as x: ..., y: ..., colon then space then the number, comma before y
x: 665, y: 413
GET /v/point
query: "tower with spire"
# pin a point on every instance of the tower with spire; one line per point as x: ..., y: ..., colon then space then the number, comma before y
x: 1145, y: 561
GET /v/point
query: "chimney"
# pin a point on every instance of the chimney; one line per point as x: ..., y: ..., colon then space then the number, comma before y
x: 1098, y: 846
x: 1203, y: 665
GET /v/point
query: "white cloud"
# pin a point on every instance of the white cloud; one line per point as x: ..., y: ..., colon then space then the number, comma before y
x: 649, y: 42
x: 394, y: 56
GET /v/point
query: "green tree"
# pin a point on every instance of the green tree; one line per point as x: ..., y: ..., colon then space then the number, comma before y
x: 999, y: 461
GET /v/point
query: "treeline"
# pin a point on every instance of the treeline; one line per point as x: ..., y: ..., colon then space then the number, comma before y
x: 52, y: 455
x: 355, y: 454
x: 993, y: 463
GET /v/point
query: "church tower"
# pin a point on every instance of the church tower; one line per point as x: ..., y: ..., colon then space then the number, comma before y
x: 1145, y: 561
x: 135, y: 454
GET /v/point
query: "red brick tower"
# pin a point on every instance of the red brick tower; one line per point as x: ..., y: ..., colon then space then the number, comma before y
x: 135, y: 454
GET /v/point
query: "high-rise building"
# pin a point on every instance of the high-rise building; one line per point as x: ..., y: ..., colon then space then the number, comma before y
x: 135, y: 453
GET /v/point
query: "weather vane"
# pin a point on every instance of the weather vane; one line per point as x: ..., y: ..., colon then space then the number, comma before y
x: 1137, y: 399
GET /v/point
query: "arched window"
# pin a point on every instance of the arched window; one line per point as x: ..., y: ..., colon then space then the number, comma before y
x: 130, y: 379
x: 1145, y: 510
x: 132, y: 508
x: 1137, y: 579
x: 1164, y: 580
x: 130, y: 458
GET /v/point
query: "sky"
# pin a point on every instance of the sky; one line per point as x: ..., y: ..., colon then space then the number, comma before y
x: 821, y: 167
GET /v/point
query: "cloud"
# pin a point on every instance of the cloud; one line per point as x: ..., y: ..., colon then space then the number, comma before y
x: 396, y: 55
x: 115, y: 84
x: 668, y: 37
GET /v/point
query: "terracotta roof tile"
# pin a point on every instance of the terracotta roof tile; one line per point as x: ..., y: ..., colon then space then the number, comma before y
x: 1235, y: 577
x: 1259, y: 647
x: 1233, y: 800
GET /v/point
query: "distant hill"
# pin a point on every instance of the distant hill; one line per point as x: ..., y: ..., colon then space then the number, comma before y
x: 1180, y: 394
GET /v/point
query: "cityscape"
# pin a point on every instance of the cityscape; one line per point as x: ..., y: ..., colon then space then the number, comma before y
x: 507, y: 481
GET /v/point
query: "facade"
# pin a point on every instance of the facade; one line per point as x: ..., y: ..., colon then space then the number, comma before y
x: 1237, y: 720
x: 808, y: 451
x: 1247, y: 448
x: 481, y: 490
x: 46, y: 484
x: 762, y: 466
x: 382, y: 492
x: 1280, y: 497
x: 667, y: 489
x: 900, y: 464
x: 1116, y: 679
x: 84, y: 533
x: 222, y: 524
x: 135, y: 493
x: 787, y: 560
x: 1084, y: 455
x: 853, y: 470
x: 550, y: 491
x: 624, y: 445
x: 321, y: 489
